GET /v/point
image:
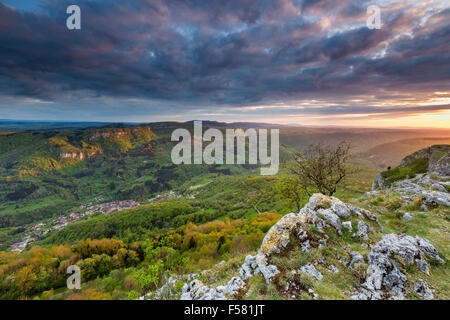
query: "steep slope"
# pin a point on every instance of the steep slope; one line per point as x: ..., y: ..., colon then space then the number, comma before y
x: 390, y: 154
x: 423, y: 176
x: 330, y: 249
x: 330, y: 237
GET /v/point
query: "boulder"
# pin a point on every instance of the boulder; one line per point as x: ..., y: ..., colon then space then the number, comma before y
x: 310, y: 270
x: 438, y: 159
x: 234, y: 288
x: 278, y: 236
x: 436, y: 198
x: 331, y: 218
x: 378, y: 183
x: 321, y: 212
x: 363, y: 229
x: 196, y: 290
x: 441, y: 167
x: 247, y: 267
x: 385, y: 278
x: 347, y: 225
x: 423, y: 290
x: 356, y: 257
x: 258, y: 265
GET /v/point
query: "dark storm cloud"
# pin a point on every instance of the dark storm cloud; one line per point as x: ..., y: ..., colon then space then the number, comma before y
x: 222, y: 52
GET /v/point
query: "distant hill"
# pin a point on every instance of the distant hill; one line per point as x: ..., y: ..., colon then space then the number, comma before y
x: 44, y: 173
x: 20, y: 125
x: 362, y: 140
x: 208, y: 123
x: 391, y: 154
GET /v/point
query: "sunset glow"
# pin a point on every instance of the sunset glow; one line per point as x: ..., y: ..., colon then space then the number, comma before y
x: 285, y: 61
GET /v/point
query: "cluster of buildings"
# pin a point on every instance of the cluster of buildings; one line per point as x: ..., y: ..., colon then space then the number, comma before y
x: 114, y: 206
x: 165, y: 196
x: 40, y: 229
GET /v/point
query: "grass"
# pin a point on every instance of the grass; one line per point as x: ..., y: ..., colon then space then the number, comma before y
x: 406, y: 172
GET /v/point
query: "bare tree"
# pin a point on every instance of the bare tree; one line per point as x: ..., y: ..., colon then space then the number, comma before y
x: 322, y: 167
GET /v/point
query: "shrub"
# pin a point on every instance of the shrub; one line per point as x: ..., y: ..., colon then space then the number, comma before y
x: 394, y: 204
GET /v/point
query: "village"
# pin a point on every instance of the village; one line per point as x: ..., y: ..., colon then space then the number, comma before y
x: 41, y: 229
x: 38, y: 230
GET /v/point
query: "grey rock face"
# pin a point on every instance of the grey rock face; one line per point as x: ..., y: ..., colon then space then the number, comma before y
x: 258, y: 265
x: 310, y: 270
x: 234, y: 287
x: 347, y: 225
x: 363, y: 213
x: 341, y: 209
x: 438, y: 157
x: 321, y: 212
x: 406, y: 187
x: 278, y: 236
x: 356, y: 257
x: 331, y: 218
x: 423, y: 290
x: 363, y: 229
x: 436, y: 198
x: 442, y: 166
x: 267, y: 270
x: 378, y: 183
x: 196, y: 290
x: 438, y: 187
x: 192, y: 276
x: 305, y: 246
x: 384, y: 275
x: 247, y: 267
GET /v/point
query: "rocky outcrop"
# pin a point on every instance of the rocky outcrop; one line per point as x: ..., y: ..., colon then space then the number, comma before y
x: 363, y: 229
x: 310, y: 270
x: 441, y: 167
x: 167, y: 290
x: 356, y: 258
x: 432, y: 187
x: 378, y: 183
x: 196, y: 290
x: 78, y: 155
x: 386, y: 265
x: 434, y: 198
x: 385, y: 275
x: 235, y: 288
x: 73, y: 155
x: 438, y: 157
x: 432, y: 191
x: 423, y: 290
x: 108, y: 134
x: 322, y: 212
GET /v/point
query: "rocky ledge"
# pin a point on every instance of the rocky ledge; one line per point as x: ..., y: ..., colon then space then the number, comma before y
x: 432, y: 186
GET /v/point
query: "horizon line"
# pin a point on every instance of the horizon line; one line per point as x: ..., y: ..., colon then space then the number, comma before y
x: 298, y: 125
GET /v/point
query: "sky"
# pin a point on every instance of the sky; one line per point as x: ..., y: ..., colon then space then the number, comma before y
x: 281, y: 61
